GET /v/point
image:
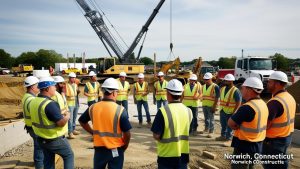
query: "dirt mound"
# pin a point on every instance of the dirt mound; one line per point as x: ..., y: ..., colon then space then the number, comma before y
x: 294, y: 90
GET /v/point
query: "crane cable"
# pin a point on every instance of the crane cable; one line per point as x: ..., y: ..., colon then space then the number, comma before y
x: 171, y: 32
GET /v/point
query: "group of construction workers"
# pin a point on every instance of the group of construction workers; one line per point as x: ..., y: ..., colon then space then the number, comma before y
x: 252, y: 125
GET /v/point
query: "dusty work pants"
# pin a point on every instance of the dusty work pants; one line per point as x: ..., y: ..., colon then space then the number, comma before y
x: 103, y: 157
x: 58, y: 146
x: 38, y: 155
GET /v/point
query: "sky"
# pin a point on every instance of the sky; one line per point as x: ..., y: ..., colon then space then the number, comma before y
x: 207, y: 28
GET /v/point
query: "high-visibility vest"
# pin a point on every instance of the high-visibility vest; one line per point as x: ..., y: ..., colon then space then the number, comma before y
x: 62, y: 102
x: 255, y: 130
x: 188, y: 95
x: 141, y: 90
x: 41, y: 125
x: 227, y: 102
x: 174, y: 142
x: 283, y: 125
x: 93, y: 90
x: 123, y: 91
x: 71, y: 93
x: 105, y: 116
x: 208, y: 95
x: 161, y: 92
x: 27, y: 98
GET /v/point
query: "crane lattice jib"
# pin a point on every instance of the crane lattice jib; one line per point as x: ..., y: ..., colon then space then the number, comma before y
x: 97, y: 22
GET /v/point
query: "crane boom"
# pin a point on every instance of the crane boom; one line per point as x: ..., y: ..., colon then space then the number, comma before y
x: 96, y: 21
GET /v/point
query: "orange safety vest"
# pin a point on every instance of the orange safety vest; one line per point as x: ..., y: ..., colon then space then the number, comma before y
x: 283, y: 126
x: 105, y: 116
x: 254, y: 131
x: 227, y: 102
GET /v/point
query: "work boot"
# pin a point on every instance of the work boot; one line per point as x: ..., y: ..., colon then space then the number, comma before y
x: 221, y: 138
x: 149, y: 124
x: 204, y: 131
x: 210, y: 135
x: 75, y: 132
x: 71, y: 136
x: 140, y: 125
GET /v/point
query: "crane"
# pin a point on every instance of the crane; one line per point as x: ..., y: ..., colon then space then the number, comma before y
x: 96, y: 21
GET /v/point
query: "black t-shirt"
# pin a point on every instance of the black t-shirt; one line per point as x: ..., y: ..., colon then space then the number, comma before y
x: 275, y: 108
x: 158, y: 128
x: 245, y: 114
x: 124, y: 122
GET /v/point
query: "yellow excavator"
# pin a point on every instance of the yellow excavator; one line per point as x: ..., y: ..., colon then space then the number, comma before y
x: 167, y: 66
x: 185, y: 75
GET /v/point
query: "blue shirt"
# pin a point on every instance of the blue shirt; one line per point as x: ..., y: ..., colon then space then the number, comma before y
x: 124, y: 122
x: 52, y: 110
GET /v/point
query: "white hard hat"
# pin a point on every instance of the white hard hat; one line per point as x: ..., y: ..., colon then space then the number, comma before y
x: 92, y: 73
x: 141, y: 76
x: 279, y: 75
x: 46, y: 82
x: 207, y: 76
x: 123, y: 74
x: 110, y: 85
x: 58, y: 79
x: 175, y: 87
x: 254, y: 83
x: 30, y: 80
x: 72, y: 74
x: 193, y: 77
x: 229, y: 77
x: 160, y: 74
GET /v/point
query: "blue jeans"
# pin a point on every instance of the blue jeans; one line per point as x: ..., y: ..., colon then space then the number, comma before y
x: 159, y: 103
x: 124, y: 103
x: 194, y: 124
x: 139, y: 109
x: 70, y: 121
x: 162, y: 166
x: 275, y: 147
x: 103, y: 157
x: 226, y: 131
x: 209, y: 118
x: 38, y: 155
x: 58, y: 146
x: 75, y: 117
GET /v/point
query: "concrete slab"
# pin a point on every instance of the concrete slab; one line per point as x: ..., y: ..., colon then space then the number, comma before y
x: 12, y: 135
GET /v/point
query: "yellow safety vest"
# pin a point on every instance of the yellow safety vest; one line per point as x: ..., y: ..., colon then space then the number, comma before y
x: 174, y: 142
x: 123, y: 91
x: 141, y: 90
x: 71, y: 93
x: 25, y: 105
x: 254, y: 131
x: 208, y: 95
x: 41, y: 125
x: 188, y: 95
x: 227, y: 102
x: 93, y: 90
x: 283, y: 126
x: 161, y: 92
x: 62, y: 102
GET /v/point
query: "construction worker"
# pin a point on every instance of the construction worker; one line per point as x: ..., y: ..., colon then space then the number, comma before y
x: 282, y: 109
x: 48, y: 124
x: 190, y: 98
x: 71, y: 94
x: 210, y: 99
x: 249, y: 123
x: 160, y: 91
x: 124, y: 88
x: 230, y: 101
x: 92, y: 89
x: 31, y: 85
x: 171, y: 129
x: 111, y: 128
x: 140, y: 93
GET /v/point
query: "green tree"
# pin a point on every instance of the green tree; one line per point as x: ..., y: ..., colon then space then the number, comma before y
x: 6, y: 59
x: 282, y: 61
x: 227, y: 62
x: 147, y: 61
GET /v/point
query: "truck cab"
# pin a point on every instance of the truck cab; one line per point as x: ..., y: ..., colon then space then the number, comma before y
x: 260, y: 67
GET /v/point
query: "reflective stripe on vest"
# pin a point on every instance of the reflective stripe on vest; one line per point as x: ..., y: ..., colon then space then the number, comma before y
x: 123, y: 91
x: 93, y: 90
x: 227, y: 102
x: 283, y: 125
x: 71, y: 93
x: 61, y: 100
x: 141, y: 90
x: 208, y: 97
x: 255, y: 130
x: 25, y: 106
x: 161, y: 92
x: 41, y: 124
x: 188, y: 95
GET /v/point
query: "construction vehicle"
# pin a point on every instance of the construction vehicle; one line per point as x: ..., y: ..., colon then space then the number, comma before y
x: 167, y: 66
x: 22, y: 69
x: 109, y: 67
